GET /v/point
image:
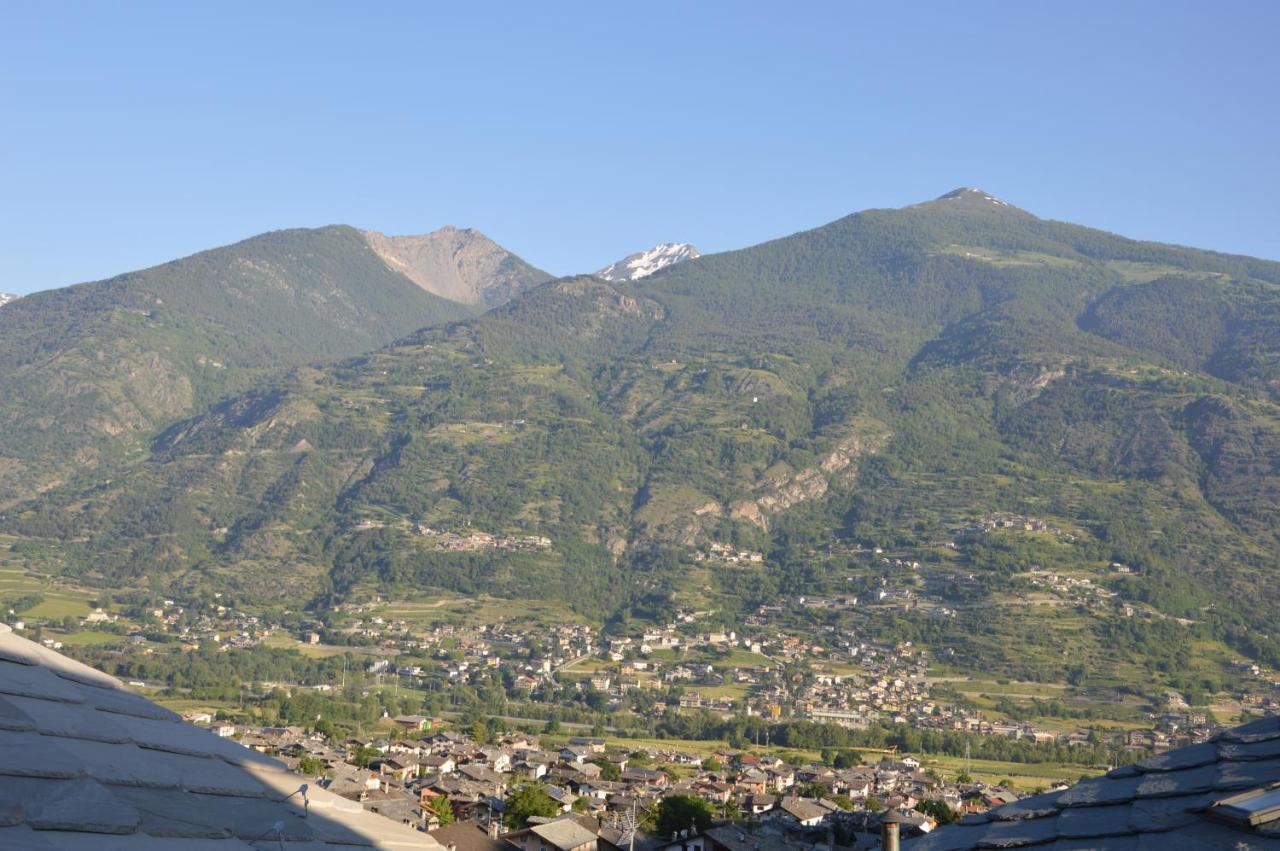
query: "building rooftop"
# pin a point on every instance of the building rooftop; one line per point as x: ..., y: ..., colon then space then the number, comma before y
x: 87, y: 763
x: 465, y: 836
x: 563, y: 833
x: 1214, y: 795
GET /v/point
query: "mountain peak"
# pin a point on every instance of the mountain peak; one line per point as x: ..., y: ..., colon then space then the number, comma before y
x: 5, y: 298
x: 972, y: 196
x: 642, y: 264
x: 460, y: 264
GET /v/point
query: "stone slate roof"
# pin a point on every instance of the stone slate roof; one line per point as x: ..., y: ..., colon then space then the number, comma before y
x: 1159, y: 803
x: 466, y: 836
x: 87, y: 764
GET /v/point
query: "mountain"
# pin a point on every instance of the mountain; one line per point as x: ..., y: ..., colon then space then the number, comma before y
x: 5, y: 298
x: 642, y: 264
x: 89, y: 373
x: 462, y: 265
x: 986, y: 395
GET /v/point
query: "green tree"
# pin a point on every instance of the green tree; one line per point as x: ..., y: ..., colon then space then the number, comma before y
x: 441, y: 808
x: 938, y: 810
x: 608, y: 770
x: 682, y: 812
x: 364, y: 755
x: 531, y: 799
x: 310, y: 766
x: 847, y: 759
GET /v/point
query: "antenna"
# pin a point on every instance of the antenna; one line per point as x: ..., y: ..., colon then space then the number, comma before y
x: 627, y: 823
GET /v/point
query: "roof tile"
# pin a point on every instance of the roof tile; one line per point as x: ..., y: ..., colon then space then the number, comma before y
x: 123, y: 703
x: 23, y: 838
x: 28, y: 681
x: 955, y: 837
x: 1032, y: 807
x: 13, y: 718
x: 17, y: 649
x: 81, y: 805
x: 70, y: 720
x: 1158, y: 814
x: 1242, y: 775
x: 1112, y: 843
x: 120, y: 764
x: 1091, y: 822
x: 1099, y: 791
x: 1254, y: 731
x: 169, y: 812
x: 166, y: 735
x: 1265, y: 749
x: 30, y: 755
x: 1187, y: 782
x: 1015, y: 834
x: 1180, y: 758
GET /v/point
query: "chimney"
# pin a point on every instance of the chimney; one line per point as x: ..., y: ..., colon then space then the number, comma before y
x: 889, y: 827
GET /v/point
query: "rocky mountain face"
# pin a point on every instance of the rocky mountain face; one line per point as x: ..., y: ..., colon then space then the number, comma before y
x: 462, y: 265
x: 642, y: 264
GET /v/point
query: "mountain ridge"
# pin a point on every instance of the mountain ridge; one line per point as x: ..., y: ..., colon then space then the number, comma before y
x: 460, y: 264
x: 104, y: 364
x: 883, y: 380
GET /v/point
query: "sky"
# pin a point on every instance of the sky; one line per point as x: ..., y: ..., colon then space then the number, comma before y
x: 576, y: 133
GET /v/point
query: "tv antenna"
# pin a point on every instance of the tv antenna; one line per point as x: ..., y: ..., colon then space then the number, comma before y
x: 627, y: 824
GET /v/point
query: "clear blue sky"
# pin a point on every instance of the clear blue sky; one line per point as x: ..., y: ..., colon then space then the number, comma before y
x: 575, y: 133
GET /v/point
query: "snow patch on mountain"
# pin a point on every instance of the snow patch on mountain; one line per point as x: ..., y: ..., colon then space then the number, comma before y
x: 5, y: 298
x: 972, y: 193
x: 642, y: 264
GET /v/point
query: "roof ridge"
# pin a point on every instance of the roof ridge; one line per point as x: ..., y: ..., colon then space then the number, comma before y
x: 23, y: 651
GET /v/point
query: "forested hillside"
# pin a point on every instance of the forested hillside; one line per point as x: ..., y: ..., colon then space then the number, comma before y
x: 888, y: 380
x: 89, y: 373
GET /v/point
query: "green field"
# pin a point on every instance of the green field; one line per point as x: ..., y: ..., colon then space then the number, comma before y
x: 91, y: 637
x: 58, y: 605
x: 472, y: 611
x: 60, y: 598
x: 1025, y: 776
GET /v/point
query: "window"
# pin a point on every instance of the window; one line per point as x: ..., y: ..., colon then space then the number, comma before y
x: 1251, y: 808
